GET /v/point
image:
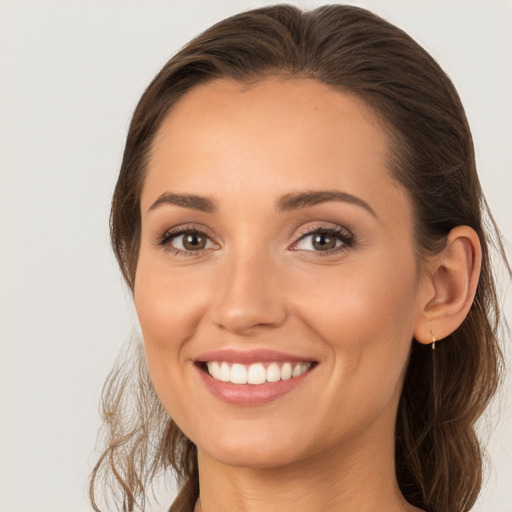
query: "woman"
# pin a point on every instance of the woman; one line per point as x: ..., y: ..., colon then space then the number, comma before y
x: 300, y: 221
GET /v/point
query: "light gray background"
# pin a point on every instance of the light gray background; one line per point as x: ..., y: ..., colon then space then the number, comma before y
x: 70, y: 75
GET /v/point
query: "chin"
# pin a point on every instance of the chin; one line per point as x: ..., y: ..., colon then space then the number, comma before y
x: 258, y: 451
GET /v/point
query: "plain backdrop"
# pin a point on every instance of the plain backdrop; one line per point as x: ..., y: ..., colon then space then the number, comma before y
x: 70, y: 75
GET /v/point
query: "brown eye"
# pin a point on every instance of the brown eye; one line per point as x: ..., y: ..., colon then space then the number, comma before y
x: 323, y: 241
x: 186, y: 242
x: 194, y: 241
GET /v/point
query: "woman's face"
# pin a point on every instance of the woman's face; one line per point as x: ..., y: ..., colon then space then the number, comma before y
x: 275, y: 242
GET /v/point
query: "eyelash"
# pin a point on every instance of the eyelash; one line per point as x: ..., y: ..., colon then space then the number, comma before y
x: 341, y: 234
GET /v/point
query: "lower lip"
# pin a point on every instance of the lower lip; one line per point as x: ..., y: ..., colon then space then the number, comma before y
x: 247, y: 394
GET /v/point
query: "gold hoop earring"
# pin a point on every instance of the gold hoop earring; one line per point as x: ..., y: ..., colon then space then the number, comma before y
x: 433, y: 340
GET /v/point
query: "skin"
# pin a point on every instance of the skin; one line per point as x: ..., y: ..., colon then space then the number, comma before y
x: 329, y: 443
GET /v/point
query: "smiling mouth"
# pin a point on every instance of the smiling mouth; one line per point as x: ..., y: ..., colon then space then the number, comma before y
x: 255, y: 374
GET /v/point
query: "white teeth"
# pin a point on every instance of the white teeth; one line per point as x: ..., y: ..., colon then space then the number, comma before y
x: 255, y: 373
x: 286, y: 371
x: 213, y: 368
x: 225, y: 373
x: 297, y: 370
x: 273, y: 372
x: 238, y: 374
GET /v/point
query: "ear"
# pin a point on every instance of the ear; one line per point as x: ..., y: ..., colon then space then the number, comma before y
x: 450, y: 286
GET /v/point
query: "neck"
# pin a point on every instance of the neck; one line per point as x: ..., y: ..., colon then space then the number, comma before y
x: 360, y: 478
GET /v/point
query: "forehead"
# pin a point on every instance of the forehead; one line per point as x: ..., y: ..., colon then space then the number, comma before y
x: 269, y: 137
x: 269, y: 106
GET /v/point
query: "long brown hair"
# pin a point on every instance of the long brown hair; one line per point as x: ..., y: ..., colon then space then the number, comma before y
x: 438, y: 455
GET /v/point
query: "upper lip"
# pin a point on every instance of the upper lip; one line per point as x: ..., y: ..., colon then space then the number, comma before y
x: 250, y: 356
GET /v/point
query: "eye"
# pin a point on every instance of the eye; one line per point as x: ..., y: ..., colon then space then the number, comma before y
x: 186, y: 241
x: 325, y: 240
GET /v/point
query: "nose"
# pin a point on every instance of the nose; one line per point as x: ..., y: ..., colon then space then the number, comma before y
x: 249, y: 295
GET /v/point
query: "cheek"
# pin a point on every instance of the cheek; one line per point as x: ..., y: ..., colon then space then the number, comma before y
x: 167, y: 301
x: 163, y: 315
x: 170, y: 304
x: 376, y: 297
x: 365, y: 315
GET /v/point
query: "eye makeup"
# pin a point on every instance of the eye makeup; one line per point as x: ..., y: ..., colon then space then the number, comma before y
x: 195, y: 242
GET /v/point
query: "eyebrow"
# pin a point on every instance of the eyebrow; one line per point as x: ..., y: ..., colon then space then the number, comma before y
x: 200, y: 203
x: 306, y: 199
x: 288, y: 202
